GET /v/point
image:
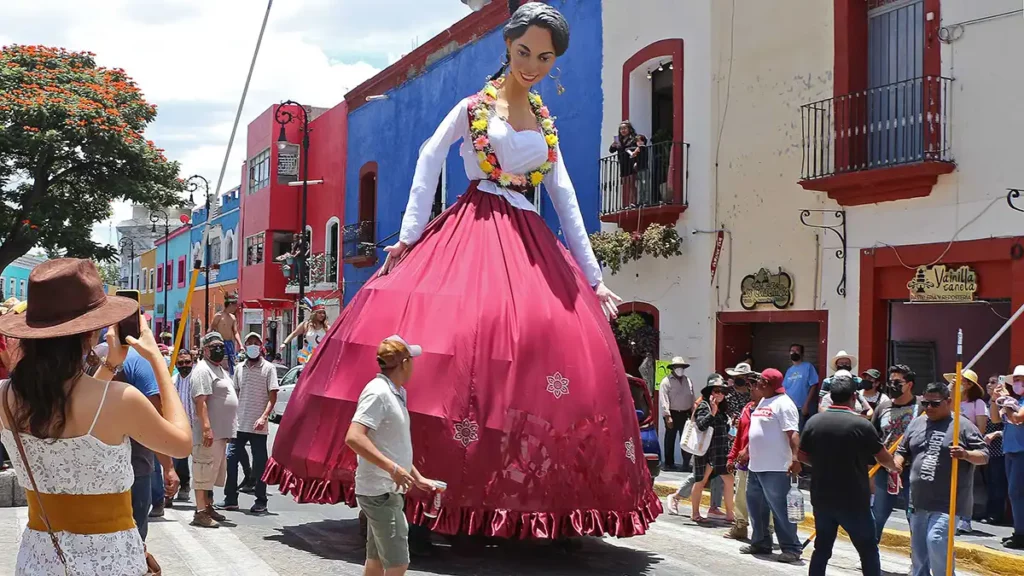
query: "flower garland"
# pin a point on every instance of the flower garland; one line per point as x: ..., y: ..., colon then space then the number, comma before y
x: 481, y: 109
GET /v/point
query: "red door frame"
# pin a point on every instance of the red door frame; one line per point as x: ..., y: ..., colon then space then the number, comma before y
x: 883, y: 277
x: 767, y: 316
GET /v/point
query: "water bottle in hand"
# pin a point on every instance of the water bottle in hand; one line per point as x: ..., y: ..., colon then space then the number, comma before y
x: 795, y: 504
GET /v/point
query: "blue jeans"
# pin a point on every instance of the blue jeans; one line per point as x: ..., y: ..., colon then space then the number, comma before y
x: 142, y: 501
x: 1015, y: 478
x: 885, y: 502
x: 156, y: 480
x: 259, y: 463
x: 766, y: 495
x: 929, y: 534
x: 860, y: 525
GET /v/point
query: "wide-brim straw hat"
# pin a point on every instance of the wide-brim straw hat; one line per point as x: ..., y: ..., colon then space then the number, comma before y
x: 67, y: 299
x: 843, y: 354
x: 741, y: 369
x: 969, y: 375
x: 679, y: 361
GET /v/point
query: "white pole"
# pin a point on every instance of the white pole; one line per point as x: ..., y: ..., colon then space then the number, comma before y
x: 993, y: 339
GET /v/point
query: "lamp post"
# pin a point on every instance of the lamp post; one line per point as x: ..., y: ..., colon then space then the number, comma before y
x: 126, y: 242
x: 193, y: 184
x: 284, y: 116
x: 154, y: 217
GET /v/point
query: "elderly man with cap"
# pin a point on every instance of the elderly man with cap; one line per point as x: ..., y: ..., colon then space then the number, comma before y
x: 380, y: 436
x: 215, y: 423
x: 676, y: 399
x: 256, y: 384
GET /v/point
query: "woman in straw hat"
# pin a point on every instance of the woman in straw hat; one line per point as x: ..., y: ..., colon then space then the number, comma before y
x: 68, y: 433
x: 972, y: 407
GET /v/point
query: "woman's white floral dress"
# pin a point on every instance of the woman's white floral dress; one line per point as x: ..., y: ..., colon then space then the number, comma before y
x: 80, y: 465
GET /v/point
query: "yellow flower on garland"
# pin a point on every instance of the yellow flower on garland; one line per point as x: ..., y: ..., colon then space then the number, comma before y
x: 505, y: 179
x: 480, y: 125
x: 491, y: 91
x: 486, y: 166
x: 535, y: 99
x: 481, y: 156
x: 547, y: 124
x: 536, y: 178
x: 551, y: 139
x: 545, y: 167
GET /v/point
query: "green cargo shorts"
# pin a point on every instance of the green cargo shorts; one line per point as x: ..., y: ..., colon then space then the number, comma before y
x: 387, y: 534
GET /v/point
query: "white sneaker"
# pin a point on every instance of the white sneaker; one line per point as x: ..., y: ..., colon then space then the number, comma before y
x: 672, y: 505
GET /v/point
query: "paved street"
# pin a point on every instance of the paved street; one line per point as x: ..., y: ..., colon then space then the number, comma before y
x: 312, y: 539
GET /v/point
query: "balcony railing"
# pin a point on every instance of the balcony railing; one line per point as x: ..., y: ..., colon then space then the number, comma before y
x: 321, y: 268
x: 359, y: 241
x: 901, y: 123
x: 655, y: 177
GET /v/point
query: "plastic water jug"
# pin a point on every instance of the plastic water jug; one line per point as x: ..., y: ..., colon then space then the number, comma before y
x: 795, y: 503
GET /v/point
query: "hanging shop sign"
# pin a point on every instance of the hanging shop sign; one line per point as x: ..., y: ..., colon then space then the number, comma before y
x: 766, y: 287
x: 941, y: 284
x: 287, y: 163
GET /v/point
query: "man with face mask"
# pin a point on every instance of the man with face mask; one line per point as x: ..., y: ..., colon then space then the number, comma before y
x: 891, y: 419
x: 1008, y: 398
x: 214, y: 425
x: 676, y: 399
x: 256, y: 384
x: 801, y: 383
x: 183, y: 384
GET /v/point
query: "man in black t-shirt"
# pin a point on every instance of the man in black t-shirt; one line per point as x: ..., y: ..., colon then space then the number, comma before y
x: 840, y: 446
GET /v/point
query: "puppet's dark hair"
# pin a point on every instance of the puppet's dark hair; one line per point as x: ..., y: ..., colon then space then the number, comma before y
x: 535, y: 14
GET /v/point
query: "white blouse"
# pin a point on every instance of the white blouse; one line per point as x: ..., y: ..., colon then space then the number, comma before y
x: 517, y: 152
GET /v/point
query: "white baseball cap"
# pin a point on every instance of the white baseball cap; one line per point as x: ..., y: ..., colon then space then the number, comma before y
x: 414, y: 350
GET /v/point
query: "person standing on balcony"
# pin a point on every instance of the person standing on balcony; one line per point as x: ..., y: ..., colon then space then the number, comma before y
x: 629, y: 147
x: 676, y: 398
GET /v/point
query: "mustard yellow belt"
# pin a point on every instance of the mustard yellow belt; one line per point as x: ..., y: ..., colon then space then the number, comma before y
x: 81, y: 513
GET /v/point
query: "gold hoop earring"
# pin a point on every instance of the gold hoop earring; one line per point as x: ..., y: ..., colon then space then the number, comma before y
x: 558, y: 81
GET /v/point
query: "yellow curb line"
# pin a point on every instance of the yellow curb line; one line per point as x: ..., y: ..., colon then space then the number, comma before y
x: 972, y: 556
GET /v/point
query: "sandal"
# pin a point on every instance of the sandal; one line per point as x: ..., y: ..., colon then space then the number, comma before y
x: 701, y: 520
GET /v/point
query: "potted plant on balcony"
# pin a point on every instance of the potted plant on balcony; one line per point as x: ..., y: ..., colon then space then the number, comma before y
x: 635, y: 334
x: 613, y: 249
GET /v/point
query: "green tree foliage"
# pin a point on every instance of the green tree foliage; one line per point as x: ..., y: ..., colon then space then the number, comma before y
x: 71, y: 143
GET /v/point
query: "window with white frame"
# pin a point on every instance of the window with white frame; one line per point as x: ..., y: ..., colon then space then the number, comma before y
x: 254, y: 249
x: 145, y: 281
x: 3, y: 284
x: 227, y: 246
x: 24, y: 293
x: 259, y: 171
x: 152, y: 279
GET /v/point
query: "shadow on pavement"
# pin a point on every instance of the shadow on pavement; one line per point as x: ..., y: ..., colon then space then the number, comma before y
x: 340, y: 540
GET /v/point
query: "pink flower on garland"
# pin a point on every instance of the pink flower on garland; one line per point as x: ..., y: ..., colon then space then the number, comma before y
x: 544, y: 112
x: 552, y: 155
x: 481, y: 142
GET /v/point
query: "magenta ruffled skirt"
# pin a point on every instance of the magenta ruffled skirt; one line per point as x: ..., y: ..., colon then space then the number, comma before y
x: 519, y: 403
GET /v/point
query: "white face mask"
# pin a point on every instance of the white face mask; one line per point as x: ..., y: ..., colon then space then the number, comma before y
x: 679, y: 372
x: 252, y: 351
x: 1018, y: 387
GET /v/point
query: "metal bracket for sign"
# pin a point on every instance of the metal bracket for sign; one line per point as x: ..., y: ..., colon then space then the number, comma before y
x: 1016, y: 251
x: 839, y: 228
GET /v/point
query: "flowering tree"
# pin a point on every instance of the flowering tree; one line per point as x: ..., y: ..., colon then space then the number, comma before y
x: 71, y: 143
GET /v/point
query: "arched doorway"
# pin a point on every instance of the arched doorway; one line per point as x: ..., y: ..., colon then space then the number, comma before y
x: 638, y: 333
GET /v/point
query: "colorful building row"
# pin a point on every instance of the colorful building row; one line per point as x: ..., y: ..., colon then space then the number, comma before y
x: 14, y: 278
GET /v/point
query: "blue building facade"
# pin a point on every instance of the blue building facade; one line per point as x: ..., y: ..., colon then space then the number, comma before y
x: 387, y: 133
x: 176, y: 271
x: 14, y: 278
x: 224, y: 251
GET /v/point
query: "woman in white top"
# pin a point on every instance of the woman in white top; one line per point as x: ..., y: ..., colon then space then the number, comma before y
x: 74, y: 429
x: 314, y: 329
x: 524, y: 398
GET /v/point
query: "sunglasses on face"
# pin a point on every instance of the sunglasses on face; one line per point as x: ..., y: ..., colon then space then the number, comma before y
x: 217, y: 348
x: 932, y: 403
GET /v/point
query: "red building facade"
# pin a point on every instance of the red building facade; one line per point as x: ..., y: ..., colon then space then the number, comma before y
x: 271, y: 214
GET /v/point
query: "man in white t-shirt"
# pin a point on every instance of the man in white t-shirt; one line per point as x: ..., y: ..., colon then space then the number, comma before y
x: 381, y: 437
x: 774, y: 444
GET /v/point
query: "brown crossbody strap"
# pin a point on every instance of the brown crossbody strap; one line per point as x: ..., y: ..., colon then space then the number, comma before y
x: 12, y: 426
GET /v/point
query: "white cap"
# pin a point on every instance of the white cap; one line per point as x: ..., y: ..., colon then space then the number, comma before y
x: 846, y: 373
x: 413, y: 349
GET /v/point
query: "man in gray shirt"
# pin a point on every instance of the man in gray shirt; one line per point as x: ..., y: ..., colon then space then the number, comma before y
x: 928, y: 447
x: 380, y: 436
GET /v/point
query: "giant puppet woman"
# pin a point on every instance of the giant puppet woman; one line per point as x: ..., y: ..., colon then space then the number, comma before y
x: 519, y: 402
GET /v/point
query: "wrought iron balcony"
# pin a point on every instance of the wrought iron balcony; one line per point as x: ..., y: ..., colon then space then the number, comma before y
x: 649, y: 187
x: 359, y: 244
x: 321, y: 272
x: 897, y: 124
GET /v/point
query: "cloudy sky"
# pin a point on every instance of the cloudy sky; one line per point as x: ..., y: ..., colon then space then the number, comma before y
x: 190, y: 57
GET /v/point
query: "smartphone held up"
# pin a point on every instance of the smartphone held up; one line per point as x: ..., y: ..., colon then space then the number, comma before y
x: 130, y: 325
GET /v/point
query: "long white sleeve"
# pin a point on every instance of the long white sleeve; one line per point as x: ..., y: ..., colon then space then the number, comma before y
x: 428, y: 168
x: 563, y: 198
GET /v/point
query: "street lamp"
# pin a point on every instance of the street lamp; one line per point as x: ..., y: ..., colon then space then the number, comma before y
x: 284, y: 116
x: 154, y: 217
x: 193, y: 184
x: 126, y: 242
